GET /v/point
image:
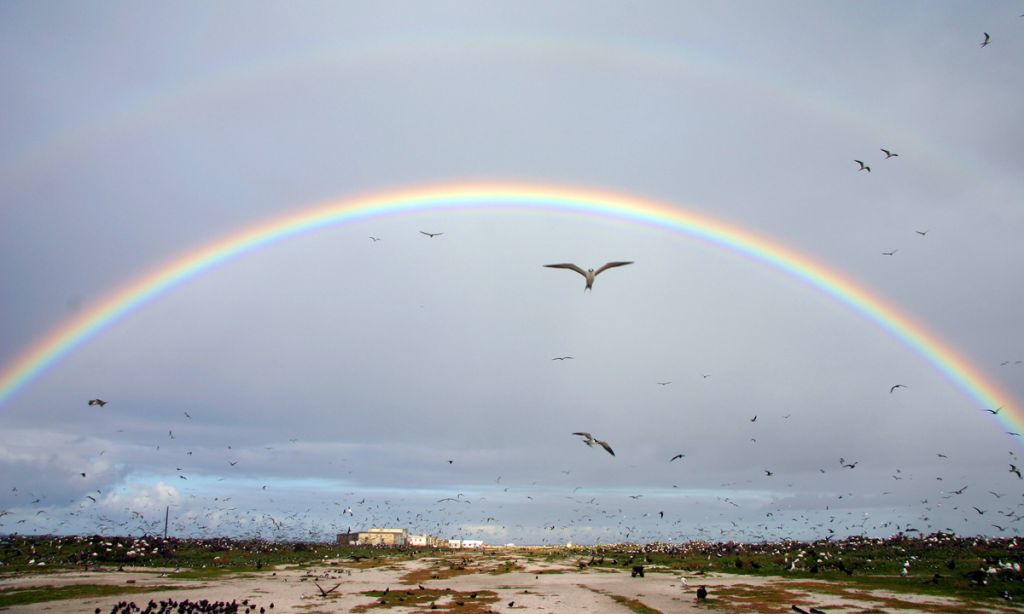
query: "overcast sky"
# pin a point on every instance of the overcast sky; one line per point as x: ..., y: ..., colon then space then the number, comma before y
x: 354, y: 383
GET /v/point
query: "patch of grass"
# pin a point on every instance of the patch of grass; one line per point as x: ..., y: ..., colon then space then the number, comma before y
x: 38, y: 594
x: 469, y: 602
x: 634, y: 605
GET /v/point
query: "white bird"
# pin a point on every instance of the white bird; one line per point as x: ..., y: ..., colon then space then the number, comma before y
x: 590, y: 441
x: 589, y: 274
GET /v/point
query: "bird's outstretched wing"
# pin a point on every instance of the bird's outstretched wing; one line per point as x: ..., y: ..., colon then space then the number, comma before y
x: 567, y: 265
x: 582, y: 434
x: 611, y: 265
x: 604, y: 444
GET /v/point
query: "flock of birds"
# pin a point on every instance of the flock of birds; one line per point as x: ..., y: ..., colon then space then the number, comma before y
x: 761, y: 523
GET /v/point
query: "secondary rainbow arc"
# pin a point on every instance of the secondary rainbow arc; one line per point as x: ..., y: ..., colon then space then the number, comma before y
x: 48, y: 350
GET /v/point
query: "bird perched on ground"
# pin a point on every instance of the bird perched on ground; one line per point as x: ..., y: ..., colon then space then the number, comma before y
x: 589, y: 274
x: 863, y: 167
x: 99, y: 402
x: 889, y: 154
x: 702, y: 593
x: 590, y: 441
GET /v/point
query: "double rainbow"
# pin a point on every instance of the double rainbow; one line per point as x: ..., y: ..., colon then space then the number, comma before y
x: 76, y: 331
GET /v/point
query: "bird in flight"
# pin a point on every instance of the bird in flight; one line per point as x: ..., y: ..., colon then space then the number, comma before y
x: 589, y: 274
x: 99, y: 402
x: 895, y: 386
x: 1013, y: 469
x: 590, y: 441
x: 994, y: 411
x: 987, y: 40
x: 187, y: 415
x: 431, y: 234
x: 889, y: 154
x: 677, y: 456
x: 754, y: 419
x: 374, y: 239
x: 863, y: 167
x: 562, y: 358
x: 921, y: 232
x: 892, y: 253
x: 663, y: 383
x: 768, y: 473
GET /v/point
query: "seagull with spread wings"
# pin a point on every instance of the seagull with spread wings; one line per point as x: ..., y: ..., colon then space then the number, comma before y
x: 589, y: 274
x: 590, y: 441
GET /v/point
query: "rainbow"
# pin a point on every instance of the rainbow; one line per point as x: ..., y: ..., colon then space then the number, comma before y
x: 90, y: 322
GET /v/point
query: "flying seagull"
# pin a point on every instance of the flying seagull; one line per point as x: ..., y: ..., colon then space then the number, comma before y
x: 99, y: 402
x: 1013, y: 469
x: 374, y: 239
x: 663, y: 383
x: 889, y: 154
x: 589, y: 274
x: 675, y: 457
x: 590, y: 441
x: 922, y: 232
x: 431, y: 234
x: 895, y: 386
x: 987, y: 39
x: 892, y: 253
x: 562, y: 358
x: 863, y: 167
x: 994, y: 411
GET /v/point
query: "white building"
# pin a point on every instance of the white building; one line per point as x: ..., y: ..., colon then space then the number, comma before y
x: 417, y: 540
x: 454, y: 543
x: 472, y: 543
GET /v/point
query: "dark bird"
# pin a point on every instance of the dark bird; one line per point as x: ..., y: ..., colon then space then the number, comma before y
x: 589, y: 274
x: 188, y: 416
x: 91, y: 497
x: 431, y: 234
x: 663, y: 383
x: 987, y: 40
x: 450, y: 462
x: 863, y: 167
x: 1013, y: 469
x: 232, y: 463
x: 590, y: 441
x: 798, y: 610
x: 677, y: 456
x: 171, y: 433
x: 892, y: 253
x: 562, y: 358
x: 889, y: 154
x: 981, y: 512
x: 852, y: 465
x: 994, y: 411
x: 895, y: 386
x: 324, y: 593
x: 99, y: 402
x: 754, y: 419
x: 921, y: 232
x: 374, y: 239
x: 769, y: 473
x: 702, y: 593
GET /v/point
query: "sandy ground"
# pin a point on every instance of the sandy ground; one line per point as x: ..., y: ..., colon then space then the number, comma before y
x: 520, y: 586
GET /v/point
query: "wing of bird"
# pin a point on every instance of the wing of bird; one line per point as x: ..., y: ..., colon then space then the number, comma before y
x: 604, y: 444
x: 676, y: 457
x: 611, y: 265
x: 582, y: 434
x: 567, y: 265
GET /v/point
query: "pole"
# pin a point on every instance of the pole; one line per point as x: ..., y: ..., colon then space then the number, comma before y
x: 167, y: 515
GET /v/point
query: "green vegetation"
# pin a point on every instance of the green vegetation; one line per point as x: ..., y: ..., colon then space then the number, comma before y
x: 23, y: 596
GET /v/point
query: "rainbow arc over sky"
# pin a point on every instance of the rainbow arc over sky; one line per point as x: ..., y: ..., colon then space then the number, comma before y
x: 63, y: 339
